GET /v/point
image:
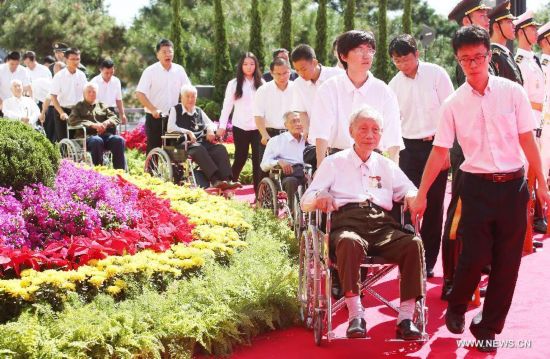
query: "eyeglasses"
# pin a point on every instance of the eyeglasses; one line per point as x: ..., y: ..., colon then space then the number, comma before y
x: 402, y: 59
x: 478, y: 60
x: 364, y: 51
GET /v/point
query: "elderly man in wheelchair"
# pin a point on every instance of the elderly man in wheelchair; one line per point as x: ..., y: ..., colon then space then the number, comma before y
x: 359, y: 187
x: 99, y: 125
x: 199, y: 139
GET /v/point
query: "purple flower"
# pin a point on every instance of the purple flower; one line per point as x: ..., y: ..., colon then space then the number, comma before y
x: 13, y: 233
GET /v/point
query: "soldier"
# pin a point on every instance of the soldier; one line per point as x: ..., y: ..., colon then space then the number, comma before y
x: 543, y: 40
x: 502, y: 29
x: 533, y: 82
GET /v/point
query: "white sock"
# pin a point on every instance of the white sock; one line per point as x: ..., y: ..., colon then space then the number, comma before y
x: 355, y: 308
x: 406, y: 310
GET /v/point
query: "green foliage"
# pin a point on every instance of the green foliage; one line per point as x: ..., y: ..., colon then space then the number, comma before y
x: 349, y: 15
x: 382, y: 64
x: 224, y: 306
x: 26, y: 156
x: 222, y: 63
x: 407, y: 19
x: 321, y: 26
x: 256, y: 43
x: 286, y: 25
x: 177, y: 33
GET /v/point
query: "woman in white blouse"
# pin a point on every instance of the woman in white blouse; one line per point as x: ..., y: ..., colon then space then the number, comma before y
x: 239, y: 97
x: 20, y: 107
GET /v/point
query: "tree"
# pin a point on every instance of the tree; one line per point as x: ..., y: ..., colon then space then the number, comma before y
x: 222, y: 62
x: 321, y: 26
x: 256, y: 44
x: 349, y: 15
x: 382, y: 70
x: 286, y: 25
x: 177, y: 33
x: 407, y: 17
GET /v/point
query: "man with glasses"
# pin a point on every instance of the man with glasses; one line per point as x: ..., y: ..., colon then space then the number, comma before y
x: 272, y: 101
x: 533, y: 82
x: 339, y: 96
x: 158, y: 90
x: 421, y: 88
x: 492, y: 120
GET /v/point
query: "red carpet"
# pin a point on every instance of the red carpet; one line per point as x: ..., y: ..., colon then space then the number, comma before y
x: 527, y: 323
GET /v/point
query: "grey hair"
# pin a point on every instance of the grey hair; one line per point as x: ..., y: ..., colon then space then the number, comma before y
x: 187, y: 88
x: 90, y: 85
x: 366, y: 112
x: 15, y: 81
x: 287, y: 115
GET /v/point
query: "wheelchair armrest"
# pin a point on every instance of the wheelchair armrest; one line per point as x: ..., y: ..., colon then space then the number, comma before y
x: 76, y: 128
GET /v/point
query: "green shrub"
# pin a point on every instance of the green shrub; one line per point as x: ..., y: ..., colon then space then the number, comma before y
x: 26, y: 156
x: 212, y: 110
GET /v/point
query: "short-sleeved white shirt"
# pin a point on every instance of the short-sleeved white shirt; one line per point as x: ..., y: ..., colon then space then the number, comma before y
x: 487, y: 126
x: 162, y: 87
x: 283, y: 147
x: 306, y: 91
x: 6, y: 77
x: 271, y: 103
x: 41, y: 88
x: 108, y: 92
x: 338, y: 97
x: 420, y: 99
x: 68, y: 87
x: 39, y: 71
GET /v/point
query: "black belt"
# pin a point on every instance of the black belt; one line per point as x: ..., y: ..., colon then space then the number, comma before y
x: 425, y: 139
x: 354, y: 205
x: 334, y: 150
x: 501, y: 177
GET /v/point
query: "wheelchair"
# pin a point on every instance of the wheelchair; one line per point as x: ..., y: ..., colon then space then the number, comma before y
x: 74, y: 147
x: 317, y: 305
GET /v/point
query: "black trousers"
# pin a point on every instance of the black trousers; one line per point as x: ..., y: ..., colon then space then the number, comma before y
x: 412, y: 161
x: 60, y: 125
x: 212, y: 159
x: 154, y: 128
x: 49, y: 122
x: 493, y: 224
x: 243, y: 141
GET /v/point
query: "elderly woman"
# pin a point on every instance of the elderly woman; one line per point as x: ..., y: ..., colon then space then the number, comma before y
x: 211, y: 157
x: 20, y: 107
x: 100, y: 123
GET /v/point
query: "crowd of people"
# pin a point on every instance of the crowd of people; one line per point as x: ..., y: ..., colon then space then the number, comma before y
x: 489, y: 132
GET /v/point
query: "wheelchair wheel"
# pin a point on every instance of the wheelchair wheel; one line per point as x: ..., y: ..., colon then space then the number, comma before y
x: 305, y: 281
x: 298, y: 223
x: 158, y: 164
x: 267, y: 195
x: 319, y: 293
x: 70, y: 150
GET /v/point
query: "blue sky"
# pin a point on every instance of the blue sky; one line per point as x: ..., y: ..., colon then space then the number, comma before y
x: 125, y: 10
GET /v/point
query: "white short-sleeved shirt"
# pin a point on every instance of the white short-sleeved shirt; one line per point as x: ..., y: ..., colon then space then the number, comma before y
x: 378, y: 180
x: 338, y: 97
x: 68, y: 87
x: 6, y: 77
x: 306, y: 91
x: 39, y: 71
x: 41, y: 88
x: 243, y: 108
x: 545, y: 64
x: 162, y: 87
x: 283, y: 147
x: 17, y: 108
x: 108, y: 92
x: 420, y: 99
x: 533, y: 78
x: 271, y: 103
x: 487, y: 126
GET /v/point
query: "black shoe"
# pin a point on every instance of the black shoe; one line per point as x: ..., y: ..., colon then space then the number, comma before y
x: 446, y: 290
x: 540, y: 225
x: 357, y: 328
x: 454, y: 322
x: 482, y: 291
x: 233, y: 185
x: 406, y: 330
x: 485, y: 338
x: 537, y: 244
x: 222, y: 185
x: 486, y: 269
x: 430, y: 273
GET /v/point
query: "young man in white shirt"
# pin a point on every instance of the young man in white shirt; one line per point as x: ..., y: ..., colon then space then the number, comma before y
x: 491, y: 118
x: 36, y: 70
x: 158, y: 90
x: 10, y: 71
x: 312, y: 76
x: 67, y: 90
x: 286, y: 151
x: 339, y: 96
x: 360, y: 185
x: 110, y: 89
x: 421, y: 88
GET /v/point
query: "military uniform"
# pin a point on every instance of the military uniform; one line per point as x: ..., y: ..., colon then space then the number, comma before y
x: 544, y: 35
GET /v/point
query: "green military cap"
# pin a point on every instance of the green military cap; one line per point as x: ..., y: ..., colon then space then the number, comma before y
x: 544, y: 32
x: 465, y: 8
x: 59, y: 46
x: 525, y: 19
x: 501, y: 12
